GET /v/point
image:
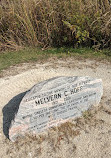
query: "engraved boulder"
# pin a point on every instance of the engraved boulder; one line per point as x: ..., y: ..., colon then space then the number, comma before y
x: 55, y: 101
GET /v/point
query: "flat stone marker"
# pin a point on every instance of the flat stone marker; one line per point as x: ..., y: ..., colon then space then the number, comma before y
x: 53, y: 102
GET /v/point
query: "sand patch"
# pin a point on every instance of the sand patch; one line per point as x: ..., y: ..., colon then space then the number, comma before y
x: 87, y: 137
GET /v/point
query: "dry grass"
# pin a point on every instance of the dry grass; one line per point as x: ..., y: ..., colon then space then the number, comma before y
x: 53, y: 139
x: 40, y: 23
x: 32, y: 146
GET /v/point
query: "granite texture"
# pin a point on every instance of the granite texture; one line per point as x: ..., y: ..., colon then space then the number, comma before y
x: 54, y: 101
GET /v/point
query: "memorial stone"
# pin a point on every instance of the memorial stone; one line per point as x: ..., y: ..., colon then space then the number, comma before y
x: 55, y: 101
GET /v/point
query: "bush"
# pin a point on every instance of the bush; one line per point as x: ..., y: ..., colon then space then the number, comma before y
x: 46, y: 23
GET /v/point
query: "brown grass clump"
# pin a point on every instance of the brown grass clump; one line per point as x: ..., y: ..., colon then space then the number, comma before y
x: 57, y: 141
x: 54, y: 23
x: 49, y: 142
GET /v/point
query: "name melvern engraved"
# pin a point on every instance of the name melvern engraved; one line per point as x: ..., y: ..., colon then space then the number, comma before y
x: 76, y: 86
x: 53, y: 102
x: 57, y: 96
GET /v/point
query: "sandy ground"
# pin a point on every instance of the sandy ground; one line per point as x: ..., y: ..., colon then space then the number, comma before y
x: 86, y: 137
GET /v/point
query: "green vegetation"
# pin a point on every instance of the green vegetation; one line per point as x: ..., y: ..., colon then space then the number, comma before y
x: 35, y: 24
x: 53, y: 23
x: 11, y: 58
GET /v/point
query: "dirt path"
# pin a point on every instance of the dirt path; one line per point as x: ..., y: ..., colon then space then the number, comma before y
x: 91, y: 136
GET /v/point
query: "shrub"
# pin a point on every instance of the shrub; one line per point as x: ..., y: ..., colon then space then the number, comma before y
x: 55, y: 23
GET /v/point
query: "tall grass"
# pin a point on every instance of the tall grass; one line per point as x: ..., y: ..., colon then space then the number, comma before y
x: 55, y: 23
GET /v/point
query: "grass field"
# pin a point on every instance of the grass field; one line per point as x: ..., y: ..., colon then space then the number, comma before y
x: 11, y: 58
